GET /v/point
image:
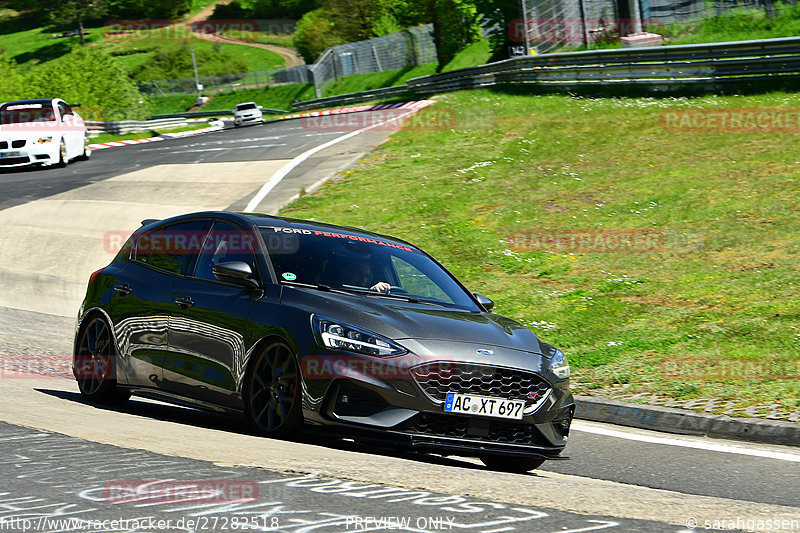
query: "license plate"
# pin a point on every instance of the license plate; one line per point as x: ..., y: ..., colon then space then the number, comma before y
x: 483, y: 406
x: 10, y: 154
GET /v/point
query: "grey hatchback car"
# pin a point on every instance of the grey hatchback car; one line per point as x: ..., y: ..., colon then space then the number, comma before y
x: 308, y: 326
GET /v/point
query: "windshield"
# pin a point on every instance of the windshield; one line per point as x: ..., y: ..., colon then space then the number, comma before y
x: 362, y: 265
x: 24, y: 113
x: 242, y: 107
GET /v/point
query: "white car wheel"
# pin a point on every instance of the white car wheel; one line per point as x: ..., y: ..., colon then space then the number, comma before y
x: 62, y: 154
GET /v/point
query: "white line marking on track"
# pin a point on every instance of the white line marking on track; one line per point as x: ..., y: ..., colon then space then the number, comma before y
x: 684, y: 441
x: 291, y: 165
x: 227, y: 149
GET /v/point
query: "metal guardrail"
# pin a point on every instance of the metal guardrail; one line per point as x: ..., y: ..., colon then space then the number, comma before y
x: 132, y: 126
x: 374, y: 94
x: 661, y: 68
x: 212, y: 113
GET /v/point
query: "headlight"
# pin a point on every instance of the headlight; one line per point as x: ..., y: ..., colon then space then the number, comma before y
x: 340, y: 336
x: 43, y: 140
x: 559, y: 365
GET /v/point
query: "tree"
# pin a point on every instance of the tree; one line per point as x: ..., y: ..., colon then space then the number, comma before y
x: 500, y: 14
x: 71, y: 11
x: 455, y: 26
x: 357, y: 20
x: 314, y: 33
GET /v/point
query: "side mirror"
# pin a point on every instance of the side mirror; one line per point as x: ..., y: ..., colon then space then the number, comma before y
x: 485, y: 302
x: 237, y: 272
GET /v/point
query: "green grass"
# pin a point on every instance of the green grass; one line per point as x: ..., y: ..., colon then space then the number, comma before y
x: 376, y: 80
x: 737, y: 25
x: 262, y: 37
x: 473, y: 55
x: 721, y: 286
x: 170, y: 104
x: 29, y: 45
x: 110, y: 137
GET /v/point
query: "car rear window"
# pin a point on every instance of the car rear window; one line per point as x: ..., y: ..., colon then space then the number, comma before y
x: 24, y: 113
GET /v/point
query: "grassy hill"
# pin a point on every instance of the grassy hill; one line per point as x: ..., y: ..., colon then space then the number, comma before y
x: 30, y: 45
x: 528, y: 199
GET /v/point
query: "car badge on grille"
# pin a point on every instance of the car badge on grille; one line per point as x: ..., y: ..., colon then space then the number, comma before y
x: 485, y: 352
x: 532, y: 395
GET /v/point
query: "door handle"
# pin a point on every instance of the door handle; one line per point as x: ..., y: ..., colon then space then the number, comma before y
x: 185, y: 302
x: 123, y: 290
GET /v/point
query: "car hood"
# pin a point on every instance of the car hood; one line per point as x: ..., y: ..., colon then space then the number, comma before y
x: 399, y: 320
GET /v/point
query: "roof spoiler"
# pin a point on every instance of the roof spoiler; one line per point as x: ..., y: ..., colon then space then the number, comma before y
x: 149, y: 221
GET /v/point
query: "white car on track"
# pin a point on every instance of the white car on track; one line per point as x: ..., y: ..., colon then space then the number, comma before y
x: 45, y: 131
x: 247, y: 112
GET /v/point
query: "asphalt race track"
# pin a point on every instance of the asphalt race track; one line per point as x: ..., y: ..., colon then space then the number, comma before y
x: 148, y: 466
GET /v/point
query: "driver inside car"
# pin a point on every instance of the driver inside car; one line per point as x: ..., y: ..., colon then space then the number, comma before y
x: 357, y: 274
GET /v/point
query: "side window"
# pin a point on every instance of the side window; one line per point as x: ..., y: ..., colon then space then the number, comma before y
x: 417, y: 283
x: 141, y: 247
x: 225, y: 243
x: 173, y: 248
x: 64, y: 110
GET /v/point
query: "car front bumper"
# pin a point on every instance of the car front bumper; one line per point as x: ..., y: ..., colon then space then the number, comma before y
x: 36, y: 154
x: 407, y: 410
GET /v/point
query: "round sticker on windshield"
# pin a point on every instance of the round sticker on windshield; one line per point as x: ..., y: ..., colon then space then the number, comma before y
x: 288, y: 276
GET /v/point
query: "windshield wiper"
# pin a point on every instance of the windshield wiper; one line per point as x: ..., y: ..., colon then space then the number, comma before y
x: 365, y: 292
x: 368, y: 292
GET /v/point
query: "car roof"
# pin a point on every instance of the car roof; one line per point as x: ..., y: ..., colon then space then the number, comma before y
x: 258, y: 219
x: 32, y: 101
x: 272, y: 220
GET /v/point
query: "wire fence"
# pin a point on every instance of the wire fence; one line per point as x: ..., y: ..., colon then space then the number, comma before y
x: 210, y: 84
x: 407, y: 48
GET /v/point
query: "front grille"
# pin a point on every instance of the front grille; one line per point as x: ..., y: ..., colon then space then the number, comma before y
x: 3, y: 145
x: 18, y: 143
x: 437, y: 379
x: 6, y: 161
x: 481, y: 429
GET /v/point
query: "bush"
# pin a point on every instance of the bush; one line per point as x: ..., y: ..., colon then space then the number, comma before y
x: 13, y: 81
x: 169, y: 63
x: 313, y: 34
x: 91, y: 78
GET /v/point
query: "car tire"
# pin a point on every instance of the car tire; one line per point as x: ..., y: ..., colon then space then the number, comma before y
x: 237, y: 121
x: 272, y: 392
x: 508, y: 463
x: 87, y: 152
x: 62, y: 154
x: 94, y: 364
